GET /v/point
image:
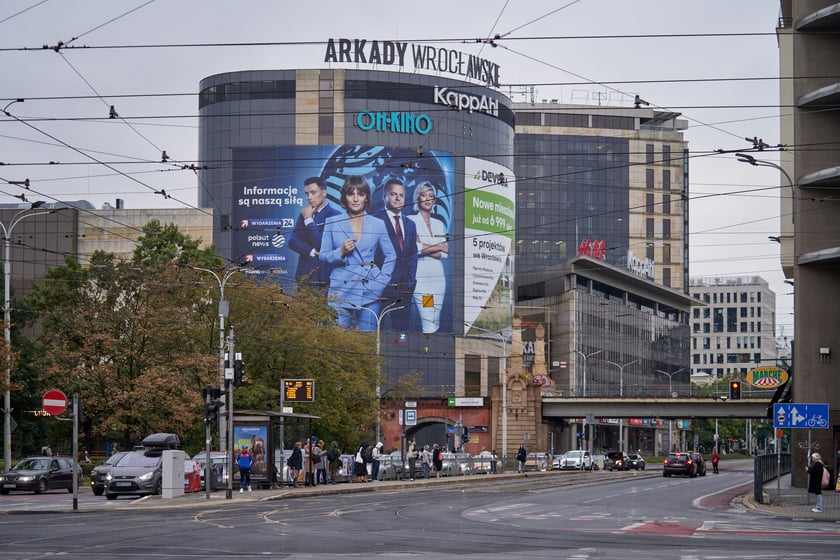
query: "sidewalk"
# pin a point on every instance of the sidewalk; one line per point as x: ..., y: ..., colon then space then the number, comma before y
x: 780, y: 498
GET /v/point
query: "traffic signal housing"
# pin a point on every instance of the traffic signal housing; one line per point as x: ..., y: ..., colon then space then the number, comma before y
x: 211, y: 409
x: 735, y: 390
x: 238, y: 372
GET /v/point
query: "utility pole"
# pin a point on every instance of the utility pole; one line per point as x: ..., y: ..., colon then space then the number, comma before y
x: 231, y: 446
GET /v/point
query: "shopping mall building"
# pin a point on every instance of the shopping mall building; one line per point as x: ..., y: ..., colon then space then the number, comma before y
x: 572, y: 217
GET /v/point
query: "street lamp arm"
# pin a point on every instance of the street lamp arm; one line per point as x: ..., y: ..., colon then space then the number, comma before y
x: 747, y: 158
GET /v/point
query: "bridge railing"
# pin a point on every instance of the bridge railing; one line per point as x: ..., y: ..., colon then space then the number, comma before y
x: 767, y: 468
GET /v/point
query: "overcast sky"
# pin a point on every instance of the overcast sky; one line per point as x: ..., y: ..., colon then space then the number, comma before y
x: 574, y: 51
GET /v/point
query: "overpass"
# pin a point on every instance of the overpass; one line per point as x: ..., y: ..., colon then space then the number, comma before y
x: 659, y: 407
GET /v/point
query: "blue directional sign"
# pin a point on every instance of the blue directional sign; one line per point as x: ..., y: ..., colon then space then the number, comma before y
x: 800, y: 415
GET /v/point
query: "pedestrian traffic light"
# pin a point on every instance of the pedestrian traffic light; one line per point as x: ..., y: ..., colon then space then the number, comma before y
x: 735, y: 390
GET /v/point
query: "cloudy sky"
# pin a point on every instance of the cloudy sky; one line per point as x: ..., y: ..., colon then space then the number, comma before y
x: 715, y: 61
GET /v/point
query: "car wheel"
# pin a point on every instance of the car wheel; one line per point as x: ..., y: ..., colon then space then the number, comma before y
x: 665, y: 474
x: 42, y: 486
x: 158, y: 488
x: 111, y: 496
x: 98, y: 491
x: 703, y: 473
x: 643, y: 467
x: 71, y: 489
x: 693, y: 475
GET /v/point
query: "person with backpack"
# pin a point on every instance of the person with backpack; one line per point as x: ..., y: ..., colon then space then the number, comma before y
x: 244, y: 462
x: 333, y: 461
x: 375, y: 454
x: 360, y: 462
x: 817, y: 478
x: 295, y: 463
x: 437, y: 460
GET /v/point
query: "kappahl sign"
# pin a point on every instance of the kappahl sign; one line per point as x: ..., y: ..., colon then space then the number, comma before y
x: 466, y: 101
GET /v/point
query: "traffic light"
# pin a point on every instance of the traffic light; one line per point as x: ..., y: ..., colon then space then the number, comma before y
x: 466, y: 436
x: 237, y: 372
x: 735, y: 390
x: 211, y: 409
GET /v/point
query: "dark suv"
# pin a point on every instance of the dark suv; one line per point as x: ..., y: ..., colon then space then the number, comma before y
x: 139, y: 472
x: 680, y: 463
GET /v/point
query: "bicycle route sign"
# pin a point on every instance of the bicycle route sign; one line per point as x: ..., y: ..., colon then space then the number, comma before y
x: 800, y: 415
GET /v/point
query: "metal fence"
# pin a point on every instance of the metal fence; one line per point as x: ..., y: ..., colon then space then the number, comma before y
x: 767, y: 468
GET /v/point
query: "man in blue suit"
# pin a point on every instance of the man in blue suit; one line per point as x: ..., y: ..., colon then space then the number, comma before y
x: 306, y: 237
x: 403, y: 236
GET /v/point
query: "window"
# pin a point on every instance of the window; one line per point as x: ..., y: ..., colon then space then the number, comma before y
x: 666, y: 229
x: 649, y: 154
x: 706, y: 341
x: 666, y: 253
x: 650, y: 205
x: 743, y: 312
x: 649, y: 228
x: 666, y: 277
x: 666, y: 203
x: 732, y: 320
x: 649, y: 251
x: 707, y: 313
x: 696, y: 312
x: 717, y: 323
x: 648, y: 178
x: 696, y: 327
x: 666, y: 179
x: 706, y: 327
x: 666, y: 154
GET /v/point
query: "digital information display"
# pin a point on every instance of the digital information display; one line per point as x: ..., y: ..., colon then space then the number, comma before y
x: 299, y: 390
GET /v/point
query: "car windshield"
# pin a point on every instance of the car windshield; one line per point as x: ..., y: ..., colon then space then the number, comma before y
x: 574, y: 454
x: 31, y: 465
x: 139, y: 460
x: 114, y: 459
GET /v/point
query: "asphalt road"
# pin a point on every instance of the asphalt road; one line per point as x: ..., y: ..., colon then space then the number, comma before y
x: 599, y: 515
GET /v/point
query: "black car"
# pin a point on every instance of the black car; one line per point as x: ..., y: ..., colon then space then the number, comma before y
x: 140, y: 472
x: 680, y: 463
x: 636, y: 461
x: 40, y: 474
x: 99, y: 475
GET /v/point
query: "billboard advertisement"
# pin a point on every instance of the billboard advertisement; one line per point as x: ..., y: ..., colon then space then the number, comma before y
x: 371, y: 226
x: 256, y: 438
x: 489, y: 228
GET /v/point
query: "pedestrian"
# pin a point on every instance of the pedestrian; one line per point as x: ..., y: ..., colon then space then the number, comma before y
x: 244, y: 462
x: 295, y: 463
x: 374, y: 467
x: 437, y: 460
x: 715, y: 461
x: 309, y: 463
x: 815, y: 480
x: 321, y: 467
x: 413, y: 455
x: 333, y: 461
x: 46, y: 451
x: 521, y: 457
x: 360, y: 463
x: 426, y: 459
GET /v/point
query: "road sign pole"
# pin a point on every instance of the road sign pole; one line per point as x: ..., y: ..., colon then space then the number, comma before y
x: 75, y: 452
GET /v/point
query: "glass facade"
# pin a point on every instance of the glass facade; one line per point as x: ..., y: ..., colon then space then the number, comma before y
x: 570, y: 188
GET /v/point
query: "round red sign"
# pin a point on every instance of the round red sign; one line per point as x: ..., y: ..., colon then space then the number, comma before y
x: 55, y: 402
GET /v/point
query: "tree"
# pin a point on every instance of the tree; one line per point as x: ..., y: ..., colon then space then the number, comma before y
x: 126, y: 338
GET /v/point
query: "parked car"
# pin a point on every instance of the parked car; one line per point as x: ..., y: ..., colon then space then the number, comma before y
x: 679, y: 463
x: 699, y: 463
x: 574, y: 460
x: 40, y: 474
x: 218, y: 464
x: 99, y: 474
x: 139, y: 472
x: 617, y: 461
x: 636, y: 461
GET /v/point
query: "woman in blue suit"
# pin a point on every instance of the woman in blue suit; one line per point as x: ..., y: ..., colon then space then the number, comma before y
x: 350, y: 243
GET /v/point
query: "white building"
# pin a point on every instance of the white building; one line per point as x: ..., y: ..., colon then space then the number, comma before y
x: 734, y: 331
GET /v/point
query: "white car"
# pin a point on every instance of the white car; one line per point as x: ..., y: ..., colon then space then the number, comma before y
x: 573, y: 461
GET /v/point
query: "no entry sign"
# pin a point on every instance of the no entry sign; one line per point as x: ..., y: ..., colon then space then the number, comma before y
x: 55, y: 402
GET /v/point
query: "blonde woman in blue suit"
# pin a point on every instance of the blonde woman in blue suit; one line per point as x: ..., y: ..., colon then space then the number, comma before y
x: 350, y: 243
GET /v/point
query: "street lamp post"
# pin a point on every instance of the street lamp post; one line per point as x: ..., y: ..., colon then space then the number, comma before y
x: 670, y: 379
x: 504, y: 386
x: 7, y: 324
x: 621, y: 375
x: 379, y: 316
x: 747, y: 158
x: 670, y: 394
x: 585, y: 357
x: 224, y: 431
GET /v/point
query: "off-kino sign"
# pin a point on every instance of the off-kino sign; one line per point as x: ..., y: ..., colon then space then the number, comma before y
x: 422, y: 57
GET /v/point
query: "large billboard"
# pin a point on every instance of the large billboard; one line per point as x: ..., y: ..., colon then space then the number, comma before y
x: 371, y: 226
x: 489, y: 228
